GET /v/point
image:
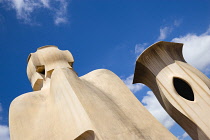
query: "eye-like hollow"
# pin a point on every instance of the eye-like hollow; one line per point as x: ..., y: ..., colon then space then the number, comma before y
x: 183, y: 89
x: 40, y: 69
x: 87, y: 135
x: 71, y: 64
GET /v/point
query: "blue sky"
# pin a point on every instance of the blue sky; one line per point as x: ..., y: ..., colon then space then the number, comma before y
x: 106, y: 34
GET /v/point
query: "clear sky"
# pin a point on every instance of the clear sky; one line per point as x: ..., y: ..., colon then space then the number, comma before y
x: 106, y: 34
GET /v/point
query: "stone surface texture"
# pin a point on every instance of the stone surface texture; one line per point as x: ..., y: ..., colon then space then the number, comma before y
x: 63, y: 106
x: 182, y: 90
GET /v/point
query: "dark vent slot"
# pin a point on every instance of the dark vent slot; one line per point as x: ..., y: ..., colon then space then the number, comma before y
x: 183, y: 89
x: 40, y: 69
x: 87, y: 135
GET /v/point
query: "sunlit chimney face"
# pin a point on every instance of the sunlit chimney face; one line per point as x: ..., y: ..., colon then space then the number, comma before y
x: 42, y: 63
